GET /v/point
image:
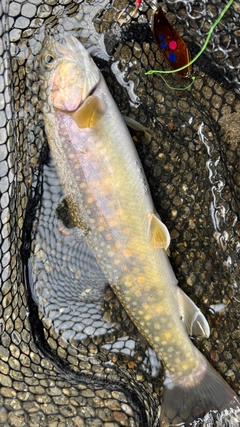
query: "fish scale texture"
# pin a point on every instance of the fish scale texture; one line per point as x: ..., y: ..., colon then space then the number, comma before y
x: 70, y: 356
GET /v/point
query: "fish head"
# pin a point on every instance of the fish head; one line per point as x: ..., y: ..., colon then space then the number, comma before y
x: 68, y: 73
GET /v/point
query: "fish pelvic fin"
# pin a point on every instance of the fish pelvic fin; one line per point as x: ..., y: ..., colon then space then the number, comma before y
x: 159, y: 234
x: 195, y: 322
x: 203, y: 395
x: 89, y: 114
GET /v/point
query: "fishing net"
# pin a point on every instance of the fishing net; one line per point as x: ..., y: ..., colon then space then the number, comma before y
x: 69, y: 354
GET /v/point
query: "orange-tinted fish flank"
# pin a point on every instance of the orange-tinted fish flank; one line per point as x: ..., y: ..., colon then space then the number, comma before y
x: 171, y: 44
x: 110, y: 201
x: 114, y: 242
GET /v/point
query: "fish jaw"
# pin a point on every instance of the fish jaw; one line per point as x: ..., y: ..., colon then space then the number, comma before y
x: 68, y: 72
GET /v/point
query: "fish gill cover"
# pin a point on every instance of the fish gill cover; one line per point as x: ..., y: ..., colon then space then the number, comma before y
x: 69, y: 354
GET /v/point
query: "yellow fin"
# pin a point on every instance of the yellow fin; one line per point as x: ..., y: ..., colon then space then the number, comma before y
x: 159, y: 234
x: 89, y: 114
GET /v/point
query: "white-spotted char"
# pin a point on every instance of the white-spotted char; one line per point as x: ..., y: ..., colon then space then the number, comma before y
x: 109, y: 199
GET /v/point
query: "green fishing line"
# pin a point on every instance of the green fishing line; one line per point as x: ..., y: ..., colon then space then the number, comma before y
x: 178, y: 88
x: 197, y: 56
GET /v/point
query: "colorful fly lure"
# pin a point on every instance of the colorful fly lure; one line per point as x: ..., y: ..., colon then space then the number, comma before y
x: 171, y: 44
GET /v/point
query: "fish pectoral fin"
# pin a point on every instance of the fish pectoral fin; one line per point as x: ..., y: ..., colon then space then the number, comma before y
x: 159, y: 234
x: 89, y: 114
x: 192, y: 317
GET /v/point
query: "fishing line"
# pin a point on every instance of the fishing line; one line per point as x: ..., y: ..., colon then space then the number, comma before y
x: 178, y: 88
x: 196, y: 57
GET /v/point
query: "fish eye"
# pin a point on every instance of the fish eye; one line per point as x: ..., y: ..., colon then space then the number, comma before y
x: 48, y: 60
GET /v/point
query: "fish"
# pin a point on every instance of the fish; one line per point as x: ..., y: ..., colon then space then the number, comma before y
x: 110, y: 202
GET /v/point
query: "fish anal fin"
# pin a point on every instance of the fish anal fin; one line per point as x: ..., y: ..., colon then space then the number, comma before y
x: 203, y: 395
x: 89, y: 113
x: 159, y: 234
x: 195, y: 322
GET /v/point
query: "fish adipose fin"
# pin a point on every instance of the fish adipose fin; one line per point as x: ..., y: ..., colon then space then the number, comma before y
x: 192, y: 317
x: 203, y: 394
x: 133, y: 124
x: 90, y: 112
x: 159, y: 234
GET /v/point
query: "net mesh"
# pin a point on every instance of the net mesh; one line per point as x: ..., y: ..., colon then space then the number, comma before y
x: 69, y: 354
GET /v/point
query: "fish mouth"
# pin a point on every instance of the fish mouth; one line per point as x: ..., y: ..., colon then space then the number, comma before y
x: 72, y: 43
x: 70, y: 75
x: 74, y: 49
x: 67, y: 47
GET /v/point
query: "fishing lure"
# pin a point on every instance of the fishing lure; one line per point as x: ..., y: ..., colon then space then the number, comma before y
x: 190, y: 62
x: 171, y: 44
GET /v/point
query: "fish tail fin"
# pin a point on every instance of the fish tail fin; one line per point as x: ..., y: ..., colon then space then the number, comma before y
x: 201, y: 397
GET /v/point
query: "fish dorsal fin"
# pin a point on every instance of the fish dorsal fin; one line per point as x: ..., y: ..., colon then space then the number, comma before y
x: 89, y: 114
x: 159, y: 234
x: 192, y: 316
